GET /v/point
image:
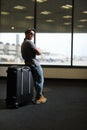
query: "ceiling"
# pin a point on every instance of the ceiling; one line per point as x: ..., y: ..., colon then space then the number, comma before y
x: 17, y: 15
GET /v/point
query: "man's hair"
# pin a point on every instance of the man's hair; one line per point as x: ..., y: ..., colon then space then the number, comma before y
x: 30, y: 30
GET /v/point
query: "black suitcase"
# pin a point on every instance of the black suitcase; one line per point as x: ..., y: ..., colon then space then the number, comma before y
x: 19, y: 86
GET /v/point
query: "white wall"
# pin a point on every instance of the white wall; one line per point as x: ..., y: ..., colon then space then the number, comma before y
x: 65, y: 73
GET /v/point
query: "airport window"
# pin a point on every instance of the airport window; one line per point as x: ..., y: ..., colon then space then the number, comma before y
x: 80, y: 33
x: 54, y: 31
x: 15, y: 17
x: 61, y: 34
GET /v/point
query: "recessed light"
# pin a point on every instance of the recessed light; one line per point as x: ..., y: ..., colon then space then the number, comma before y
x: 67, y: 6
x: 29, y: 17
x: 80, y: 26
x: 12, y: 28
x: 5, y: 13
x: 40, y: 1
x: 67, y: 23
x: 83, y: 20
x: 45, y: 12
x: 49, y: 20
x: 85, y: 12
x: 67, y: 16
x: 19, y: 7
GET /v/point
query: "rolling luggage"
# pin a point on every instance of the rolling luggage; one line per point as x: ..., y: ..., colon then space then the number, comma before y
x: 19, y: 86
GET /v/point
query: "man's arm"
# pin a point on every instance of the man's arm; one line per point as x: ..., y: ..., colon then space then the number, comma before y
x: 38, y: 51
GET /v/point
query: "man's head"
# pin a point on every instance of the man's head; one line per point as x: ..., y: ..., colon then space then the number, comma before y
x: 29, y: 33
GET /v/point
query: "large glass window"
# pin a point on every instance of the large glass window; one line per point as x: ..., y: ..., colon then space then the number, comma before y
x: 80, y: 33
x: 54, y: 21
x: 61, y: 27
x: 15, y: 17
x: 56, y: 48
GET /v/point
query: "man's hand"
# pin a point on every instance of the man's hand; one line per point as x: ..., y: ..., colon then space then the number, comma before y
x: 38, y: 51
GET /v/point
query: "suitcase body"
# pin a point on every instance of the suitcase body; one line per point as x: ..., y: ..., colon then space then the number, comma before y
x: 19, y: 86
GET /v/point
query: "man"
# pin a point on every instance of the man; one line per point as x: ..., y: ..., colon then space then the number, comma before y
x: 29, y: 52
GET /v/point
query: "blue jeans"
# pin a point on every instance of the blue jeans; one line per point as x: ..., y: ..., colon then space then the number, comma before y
x: 37, y: 73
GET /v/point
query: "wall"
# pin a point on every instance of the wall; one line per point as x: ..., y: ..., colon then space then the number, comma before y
x: 65, y: 73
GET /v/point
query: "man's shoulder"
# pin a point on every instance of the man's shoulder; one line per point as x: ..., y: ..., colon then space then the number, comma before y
x: 26, y: 40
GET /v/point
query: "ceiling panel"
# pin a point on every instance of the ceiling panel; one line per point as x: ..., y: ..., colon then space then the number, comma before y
x: 53, y: 22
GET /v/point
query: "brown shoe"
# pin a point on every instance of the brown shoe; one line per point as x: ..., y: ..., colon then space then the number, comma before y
x: 42, y: 99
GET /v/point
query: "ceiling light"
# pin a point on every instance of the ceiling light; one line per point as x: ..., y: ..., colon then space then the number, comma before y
x: 67, y: 23
x: 49, y: 20
x: 29, y: 17
x: 80, y: 26
x: 45, y: 12
x: 19, y: 7
x: 67, y: 16
x: 67, y: 6
x: 40, y: 1
x: 4, y: 13
x: 85, y: 12
x: 12, y: 28
x: 83, y: 20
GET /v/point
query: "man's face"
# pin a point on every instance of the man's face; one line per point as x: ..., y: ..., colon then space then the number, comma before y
x: 30, y: 35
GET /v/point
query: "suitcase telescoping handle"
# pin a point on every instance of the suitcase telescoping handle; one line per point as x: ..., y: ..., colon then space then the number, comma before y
x: 25, y: 67
x: 29, y: 82
x: 22, y: 83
